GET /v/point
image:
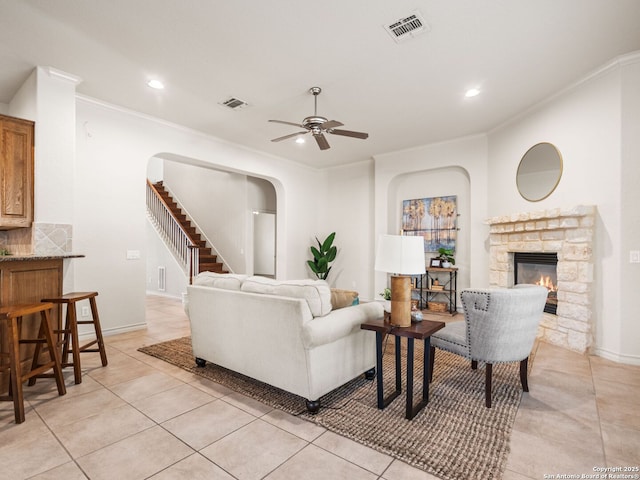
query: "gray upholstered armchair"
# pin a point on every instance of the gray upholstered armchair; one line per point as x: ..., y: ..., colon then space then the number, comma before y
x: 499, y: 326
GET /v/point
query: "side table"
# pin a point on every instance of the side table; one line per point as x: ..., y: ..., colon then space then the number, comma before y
x: 419, y: 330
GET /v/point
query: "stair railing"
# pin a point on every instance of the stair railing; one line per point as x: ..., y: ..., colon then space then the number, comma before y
x: 203, y: 235
x: 169, y: 228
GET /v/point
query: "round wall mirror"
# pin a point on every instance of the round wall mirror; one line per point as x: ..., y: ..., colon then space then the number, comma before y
x: 539, y: 172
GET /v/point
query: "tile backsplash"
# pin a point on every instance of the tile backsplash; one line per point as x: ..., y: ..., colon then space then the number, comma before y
x: 52, y: 238
x: 39, y: 239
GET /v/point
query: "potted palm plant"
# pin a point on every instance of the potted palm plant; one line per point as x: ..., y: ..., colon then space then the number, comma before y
x: 323, y: 255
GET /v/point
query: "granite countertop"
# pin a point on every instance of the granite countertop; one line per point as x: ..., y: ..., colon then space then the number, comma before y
x: 35, y: 257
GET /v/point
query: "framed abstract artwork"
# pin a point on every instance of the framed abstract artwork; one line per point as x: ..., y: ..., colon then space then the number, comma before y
x: 435, y: 219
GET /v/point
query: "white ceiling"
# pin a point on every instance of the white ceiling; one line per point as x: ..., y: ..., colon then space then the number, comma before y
x: 269, y: 53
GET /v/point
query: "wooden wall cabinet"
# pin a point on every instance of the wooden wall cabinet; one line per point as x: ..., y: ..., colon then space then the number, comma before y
x: 16, y: 172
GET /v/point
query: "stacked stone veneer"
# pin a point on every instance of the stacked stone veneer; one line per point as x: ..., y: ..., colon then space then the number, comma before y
x: 570, y: 233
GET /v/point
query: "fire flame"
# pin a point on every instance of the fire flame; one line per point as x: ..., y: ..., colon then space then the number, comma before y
x: 546, y: 282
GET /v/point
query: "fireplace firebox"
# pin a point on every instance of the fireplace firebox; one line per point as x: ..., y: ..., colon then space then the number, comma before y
x: 538, y: 269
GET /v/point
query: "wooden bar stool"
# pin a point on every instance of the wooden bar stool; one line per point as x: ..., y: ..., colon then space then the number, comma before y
x: 71, y: 331
x: 13, y: 317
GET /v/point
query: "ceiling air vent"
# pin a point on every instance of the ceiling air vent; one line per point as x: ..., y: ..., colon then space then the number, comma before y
x: 408, y: 27
x: 234, y: 103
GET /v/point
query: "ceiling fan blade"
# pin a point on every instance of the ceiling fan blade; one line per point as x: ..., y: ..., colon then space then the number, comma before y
x: 331, y: 124
x: 322, y: 141
x: 287, y: 123
x: 349, y: 133
x: 289, y: 136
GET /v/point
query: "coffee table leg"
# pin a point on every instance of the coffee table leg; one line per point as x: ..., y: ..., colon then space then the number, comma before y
x: 380, y: 391
x: 382, y: 401
x: 410, y: 413
x: 398, y: 365
x: 412, y: 410
x: 426, y: 372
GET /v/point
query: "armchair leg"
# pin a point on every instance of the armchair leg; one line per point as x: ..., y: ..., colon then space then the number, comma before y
x: 487, y: 385
x: 432, y: 361
x: 474, y: 364
x: 523, y: 374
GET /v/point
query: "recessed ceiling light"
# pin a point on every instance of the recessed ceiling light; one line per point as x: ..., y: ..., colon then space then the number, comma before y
x: 300, y: 140
x: 157, y: 84
x: 472, y: 92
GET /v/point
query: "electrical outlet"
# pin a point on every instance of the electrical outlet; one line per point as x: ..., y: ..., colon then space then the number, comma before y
x: 133, y: 254
x: 84, y: 311
x: 634, y: 256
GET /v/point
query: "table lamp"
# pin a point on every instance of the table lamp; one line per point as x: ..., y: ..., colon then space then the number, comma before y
x: 400, y: 255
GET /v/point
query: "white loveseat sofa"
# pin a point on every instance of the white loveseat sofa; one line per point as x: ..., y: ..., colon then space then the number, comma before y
x: 283, y: 333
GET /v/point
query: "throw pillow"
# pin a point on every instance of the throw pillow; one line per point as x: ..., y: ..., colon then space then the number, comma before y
x: 226, y: 281
x: 316, y: 292
x: 342, y: 298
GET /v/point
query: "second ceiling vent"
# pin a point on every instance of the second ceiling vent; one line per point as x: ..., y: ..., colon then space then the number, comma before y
x: 407, y: 27
x: 234, y: 103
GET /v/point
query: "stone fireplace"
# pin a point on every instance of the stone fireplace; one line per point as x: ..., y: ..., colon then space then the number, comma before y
x: 569, y: 233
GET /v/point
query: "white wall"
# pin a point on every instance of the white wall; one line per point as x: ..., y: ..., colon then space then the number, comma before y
x: 55, y: 147
x: 24, y: 102
x: 347, y: 199
x: 217, y: 203
x: 585, y: 124
x: 630, y: 228
x: 113, y: 148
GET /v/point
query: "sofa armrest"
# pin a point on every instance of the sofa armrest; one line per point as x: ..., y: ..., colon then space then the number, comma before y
x: 339, y: 323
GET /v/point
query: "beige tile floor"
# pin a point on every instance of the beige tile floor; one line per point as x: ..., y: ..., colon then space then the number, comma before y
x: 143, y: 418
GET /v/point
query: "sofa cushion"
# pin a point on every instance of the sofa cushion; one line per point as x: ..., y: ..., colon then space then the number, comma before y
x: 342, y: 298
x: 317, y: 293
x: 226, y: 281
x: 338, y: 324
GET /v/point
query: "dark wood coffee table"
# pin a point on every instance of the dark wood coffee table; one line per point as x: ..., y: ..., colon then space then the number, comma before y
x: 419, y: 330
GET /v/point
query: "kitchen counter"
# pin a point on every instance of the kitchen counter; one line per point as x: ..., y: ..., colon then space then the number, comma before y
x: 34, y: 258
x: 28, y: 279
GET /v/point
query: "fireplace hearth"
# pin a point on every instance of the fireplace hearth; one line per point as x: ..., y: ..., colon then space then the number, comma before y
x: 537, y: 268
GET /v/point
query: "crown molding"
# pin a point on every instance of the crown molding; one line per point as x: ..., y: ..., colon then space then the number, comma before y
x: 60, y: 75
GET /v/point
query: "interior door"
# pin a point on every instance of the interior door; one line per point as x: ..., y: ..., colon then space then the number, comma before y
x: 264, y: 244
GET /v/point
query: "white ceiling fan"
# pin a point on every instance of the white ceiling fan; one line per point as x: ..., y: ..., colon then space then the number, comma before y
x: 318, y: 126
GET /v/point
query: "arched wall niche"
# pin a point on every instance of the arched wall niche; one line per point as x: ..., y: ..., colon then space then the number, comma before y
x: 437, y: 182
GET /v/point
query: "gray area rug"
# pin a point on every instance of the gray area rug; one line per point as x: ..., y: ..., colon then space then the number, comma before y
x: 454, y: 437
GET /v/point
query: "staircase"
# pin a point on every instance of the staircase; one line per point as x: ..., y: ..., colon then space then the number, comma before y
x: 207, y: 261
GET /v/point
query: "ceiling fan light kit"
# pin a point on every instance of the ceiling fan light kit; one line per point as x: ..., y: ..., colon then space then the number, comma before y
x: 318, y: 126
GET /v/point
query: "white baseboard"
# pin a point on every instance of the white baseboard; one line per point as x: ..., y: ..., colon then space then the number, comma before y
x: 155, y: 293
x: 113, y: 331
x: 617, y: 357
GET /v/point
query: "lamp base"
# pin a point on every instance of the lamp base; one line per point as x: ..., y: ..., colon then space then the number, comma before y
x: 400, y: 301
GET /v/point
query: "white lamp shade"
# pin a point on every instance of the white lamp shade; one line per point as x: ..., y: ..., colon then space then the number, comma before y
x: 400, y: 254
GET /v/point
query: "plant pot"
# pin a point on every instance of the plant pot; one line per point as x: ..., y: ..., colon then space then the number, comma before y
x: 446, y: 264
